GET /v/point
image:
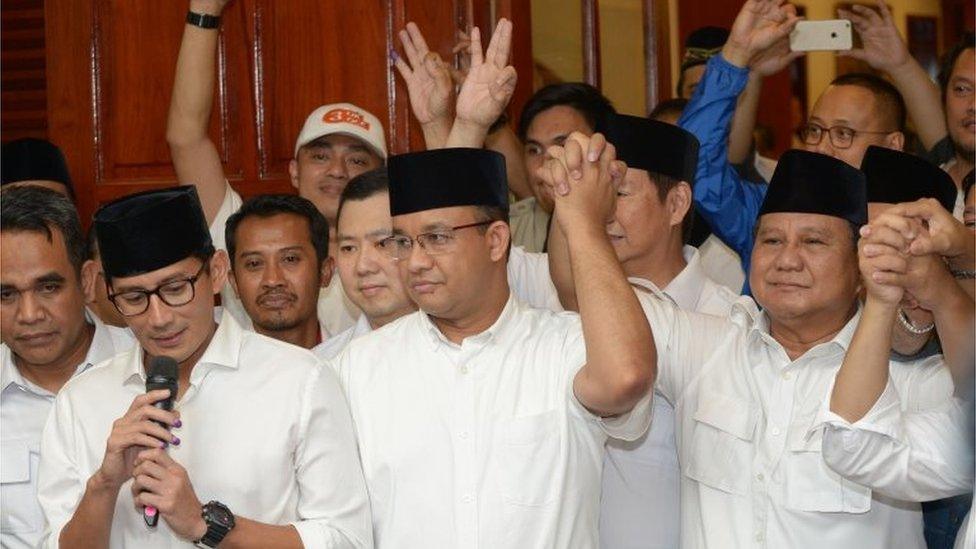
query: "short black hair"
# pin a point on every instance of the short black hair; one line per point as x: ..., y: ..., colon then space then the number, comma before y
x: 41, y: 210
x: 966, y: 42
x: 364, y: 186
x: 890, y: 101
x: 668, y: 106
x: 581, y: 97
x: 268, y: 205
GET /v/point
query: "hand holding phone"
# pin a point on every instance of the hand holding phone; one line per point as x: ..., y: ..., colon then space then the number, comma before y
x: 829, y: 35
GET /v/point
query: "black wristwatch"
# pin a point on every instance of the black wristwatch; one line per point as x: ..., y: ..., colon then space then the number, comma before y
x: 219, y: 521
x: 203, y: 20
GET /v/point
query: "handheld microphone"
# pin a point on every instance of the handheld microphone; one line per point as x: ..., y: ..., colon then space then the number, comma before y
x: 162, y: 374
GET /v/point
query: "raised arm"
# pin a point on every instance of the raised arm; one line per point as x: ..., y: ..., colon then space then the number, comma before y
x: 883, y: 49
x: 864, y: 372
x: 620, y: 353
x: 195, y: 156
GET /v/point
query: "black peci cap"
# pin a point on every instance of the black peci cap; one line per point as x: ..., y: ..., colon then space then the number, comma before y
x: 442, y: 178
x: 654, y: 146
x: 808, y: 182
x: 894, y: 177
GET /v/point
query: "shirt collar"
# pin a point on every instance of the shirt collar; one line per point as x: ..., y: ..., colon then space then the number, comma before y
x: 686, y: 288
x: 223, y: 351
x: 361, y: 326
x: 496, y: 330
x: 841, y: 340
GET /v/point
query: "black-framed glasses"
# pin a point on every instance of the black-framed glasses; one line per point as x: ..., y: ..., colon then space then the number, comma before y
x: 841, y: 137
x: 437, y: 242
x: 174, y: 293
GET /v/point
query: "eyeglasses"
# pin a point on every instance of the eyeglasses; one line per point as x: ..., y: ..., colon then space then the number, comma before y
x: 841, y: 137
x: 438, y: 242
x: 174, y: 293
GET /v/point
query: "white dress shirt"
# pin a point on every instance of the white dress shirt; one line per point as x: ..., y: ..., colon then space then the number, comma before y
x: 266, y: 431
x: 332, y: 346
x: 748, y: 440
x: 482, y: 444
x: 722, y: 264
x: 640, y: 506
x: 24, y: 408
x: 530, y: 281
x: 336, y: 312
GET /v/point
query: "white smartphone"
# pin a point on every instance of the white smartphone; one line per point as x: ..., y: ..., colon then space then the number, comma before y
x: 830, y: 35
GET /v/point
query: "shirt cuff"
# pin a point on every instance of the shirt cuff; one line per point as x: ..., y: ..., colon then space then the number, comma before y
x: 632, y: 425
x: 883, y: 418
x: 724, y: 78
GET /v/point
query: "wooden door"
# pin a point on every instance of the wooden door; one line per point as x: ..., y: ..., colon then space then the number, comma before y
x: 110, y: 67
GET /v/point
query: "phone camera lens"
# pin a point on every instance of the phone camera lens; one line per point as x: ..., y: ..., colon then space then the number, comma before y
x: 833, y: 35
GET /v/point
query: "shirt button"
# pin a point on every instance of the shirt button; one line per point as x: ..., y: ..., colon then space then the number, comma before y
x: 759, y: 536
x: 787, y: 375
x: 776, y: 431
x: 463, y: 434
x: 467, y: 498
x: 760, y: 477
x: 464, y: 369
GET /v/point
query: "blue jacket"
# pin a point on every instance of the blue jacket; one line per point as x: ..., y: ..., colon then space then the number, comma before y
x: 728, y: 201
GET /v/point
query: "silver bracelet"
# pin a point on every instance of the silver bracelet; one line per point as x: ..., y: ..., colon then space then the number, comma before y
x: 906, y: 323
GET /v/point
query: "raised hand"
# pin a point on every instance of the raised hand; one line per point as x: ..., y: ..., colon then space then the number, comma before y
x: 883, y: 48
x: 582, y: 172
x: 490, y: 81
x: 759, y: 25
x: 774, y: 58
x: 882, y: 258
x: 427, y: 77
x: 942, y: 234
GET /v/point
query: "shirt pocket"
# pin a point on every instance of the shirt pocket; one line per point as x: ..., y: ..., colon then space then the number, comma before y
x: 18, y: 488
x: 720, y: 454
x: 528, y: 459
x: 811, y: 485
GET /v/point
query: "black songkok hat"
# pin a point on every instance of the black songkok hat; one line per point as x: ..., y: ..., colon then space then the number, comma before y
x: 654, y: 146
x: 443, y: 178
x: 894, y: 177
x: 808, y: 182
x: 146, y: 231
x: 702, y: 44
x: 31, y: 159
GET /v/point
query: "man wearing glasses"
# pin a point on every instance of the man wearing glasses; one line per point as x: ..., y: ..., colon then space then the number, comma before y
x: 481, y: 421
x: 47, y: 339
x: 258, y: 428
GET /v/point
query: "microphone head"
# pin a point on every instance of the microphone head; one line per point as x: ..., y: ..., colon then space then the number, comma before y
x: 163, y: 373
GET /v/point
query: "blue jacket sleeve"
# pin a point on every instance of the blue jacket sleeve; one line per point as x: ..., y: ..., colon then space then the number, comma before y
x: 724, y: 198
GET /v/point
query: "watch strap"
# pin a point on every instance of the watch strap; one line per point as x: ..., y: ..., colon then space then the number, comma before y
x: 203, y: 20
x: 215, y: 531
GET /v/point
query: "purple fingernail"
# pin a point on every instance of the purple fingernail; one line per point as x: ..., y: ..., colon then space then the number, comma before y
x: 178, y: 423
x: 176, y: 441
x: 163, y: 444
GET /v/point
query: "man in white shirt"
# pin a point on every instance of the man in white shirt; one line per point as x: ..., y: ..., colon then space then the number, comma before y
x: 47, y: 339
x: 337, y: 142
x: 369, y: 276
x: 482, y: 421
x: 279, y: 259
x: 261, y: 429
x: 640, y: 505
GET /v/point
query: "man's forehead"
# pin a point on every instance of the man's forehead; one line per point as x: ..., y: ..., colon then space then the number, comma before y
x: 844, y: 103
x: 337, y: 141
x: 798, y: 221
x: 430, y: 218
x: 557, y: 120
